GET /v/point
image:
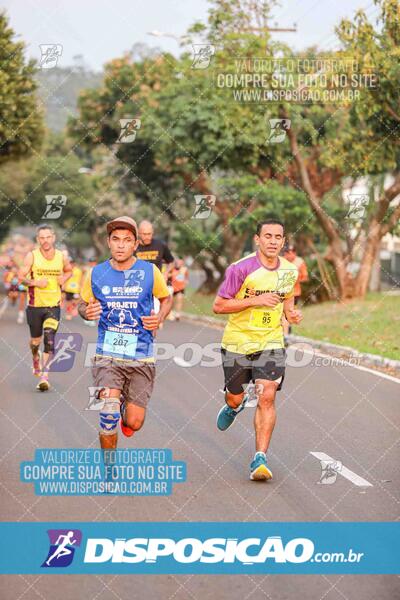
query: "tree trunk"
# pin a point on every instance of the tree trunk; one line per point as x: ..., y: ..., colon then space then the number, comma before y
x: 369, y: 257
x: 336, y: 254
x: 375, y: 279
x: 208, y: 286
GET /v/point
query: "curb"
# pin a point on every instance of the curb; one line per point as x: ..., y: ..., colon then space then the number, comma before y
x: 374, y: 361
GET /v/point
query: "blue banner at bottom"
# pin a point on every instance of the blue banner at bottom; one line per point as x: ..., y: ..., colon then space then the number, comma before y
x: 199, y: 548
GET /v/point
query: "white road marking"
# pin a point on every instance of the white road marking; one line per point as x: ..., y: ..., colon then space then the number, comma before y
x: 344, y: 471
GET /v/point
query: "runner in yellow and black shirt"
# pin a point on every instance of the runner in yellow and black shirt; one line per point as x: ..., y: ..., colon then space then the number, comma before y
x: 72, y: 288
x: 44, y: 271
x: 255, y: 292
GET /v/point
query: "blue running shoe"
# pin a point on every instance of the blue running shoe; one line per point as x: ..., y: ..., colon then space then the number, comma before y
x: 258, y: 468
x: 227, y: 415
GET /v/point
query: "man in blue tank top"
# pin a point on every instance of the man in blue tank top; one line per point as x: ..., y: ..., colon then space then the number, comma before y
x: 120, y: 293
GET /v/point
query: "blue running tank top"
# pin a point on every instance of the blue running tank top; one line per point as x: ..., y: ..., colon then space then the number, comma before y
x: 125, y: 297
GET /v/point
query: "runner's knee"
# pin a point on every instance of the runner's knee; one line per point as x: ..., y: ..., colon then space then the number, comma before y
x: 135, y: 422
x: 233, y: 400
x: 266, y: 392
x: 109, y: 416
x: 134, y: 416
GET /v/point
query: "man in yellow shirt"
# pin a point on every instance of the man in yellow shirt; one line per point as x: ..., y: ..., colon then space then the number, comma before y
x: 72, y: 290
x: 256, y: 291
x: 44, y: 271
x: 120, y: 292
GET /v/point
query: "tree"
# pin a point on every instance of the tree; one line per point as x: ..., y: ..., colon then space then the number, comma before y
x: 191, y: 138
x: 21, y: 123
x: 90, y: 199
x: 366, y: 144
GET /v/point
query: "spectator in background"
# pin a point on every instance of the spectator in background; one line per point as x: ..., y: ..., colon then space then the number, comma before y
x: 152, y: 249
x: 300, y: 263
x: 72, y: 288
x: 178, y: 280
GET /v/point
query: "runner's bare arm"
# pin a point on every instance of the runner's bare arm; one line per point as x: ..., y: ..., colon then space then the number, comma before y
x: 292, y: 315
x: 165, y: 307
x: 82, y: 306
x: 25, y: 270
x: 67, y: 271
x: 168, y: 269
x: 234, y: 305
x: 152, y: 322
x: 89, y: 307
x: 90, y: 311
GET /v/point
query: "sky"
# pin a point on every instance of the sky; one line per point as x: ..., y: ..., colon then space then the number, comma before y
x: 104, y: 29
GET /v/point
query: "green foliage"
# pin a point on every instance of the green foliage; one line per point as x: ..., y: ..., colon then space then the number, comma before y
x: 21, y: 127
x: 370, y: 134
x: 25, y: 185
x: 193, y: 140
x: 280, y: 202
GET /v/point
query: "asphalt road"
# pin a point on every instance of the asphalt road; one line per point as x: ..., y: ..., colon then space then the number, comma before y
x: 348, y: 414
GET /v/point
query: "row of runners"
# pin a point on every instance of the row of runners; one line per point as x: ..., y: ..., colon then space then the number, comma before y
x: 121, y: 293
x: 11, y: 260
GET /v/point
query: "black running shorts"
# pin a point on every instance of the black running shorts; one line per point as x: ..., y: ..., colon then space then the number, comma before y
x: 241, y: 369
x: 37, y: 315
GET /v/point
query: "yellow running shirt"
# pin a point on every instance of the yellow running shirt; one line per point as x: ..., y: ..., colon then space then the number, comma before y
x: 73, y: 284
x: 259, y: 328
x: 42, y: 268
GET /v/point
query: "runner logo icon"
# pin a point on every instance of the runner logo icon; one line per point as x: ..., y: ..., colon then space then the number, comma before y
x: 66, y: 346
x: 63, y: 543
